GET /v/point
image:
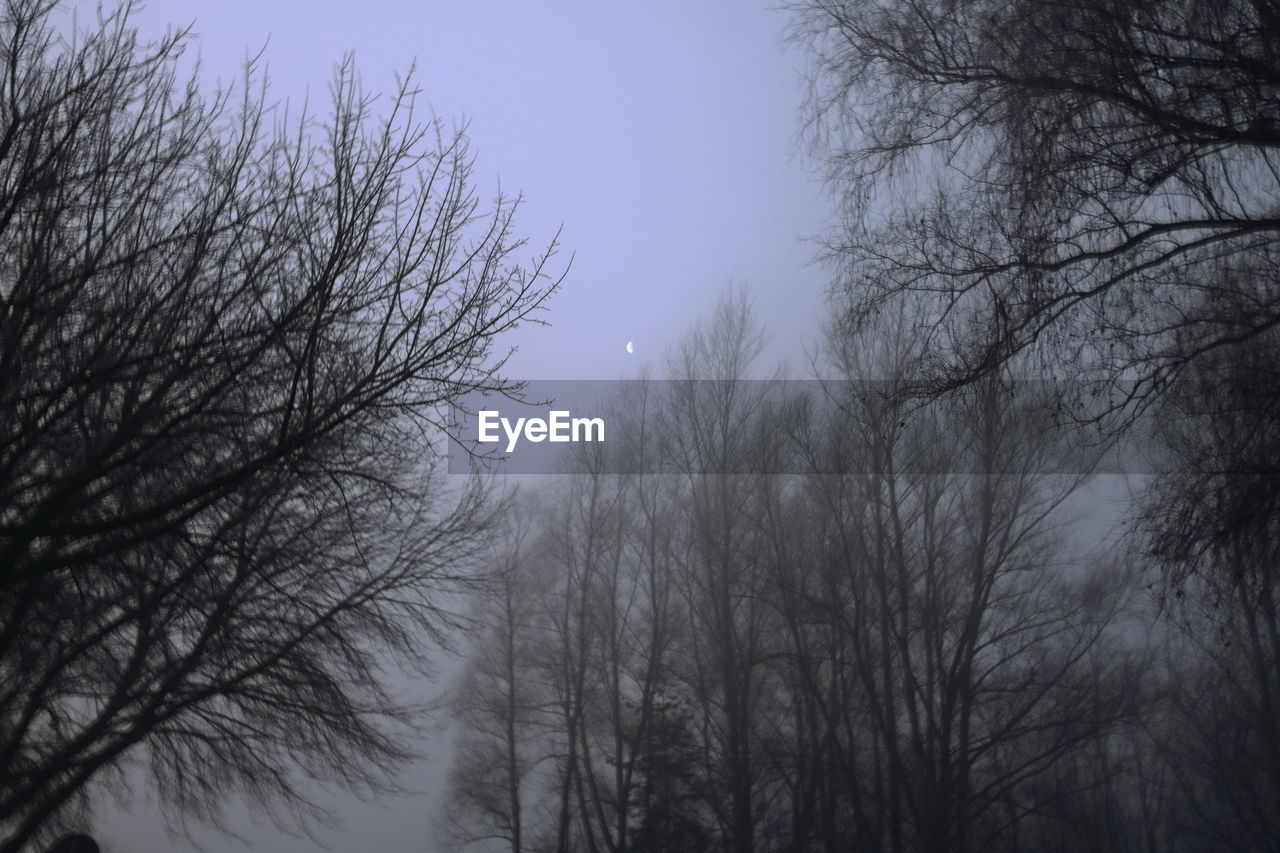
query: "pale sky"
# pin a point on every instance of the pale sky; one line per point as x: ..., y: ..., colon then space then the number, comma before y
x: 661, y: 135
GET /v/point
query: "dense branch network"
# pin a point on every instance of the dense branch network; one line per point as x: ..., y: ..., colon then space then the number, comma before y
x: 226, y: 335
x: 1054, y: 184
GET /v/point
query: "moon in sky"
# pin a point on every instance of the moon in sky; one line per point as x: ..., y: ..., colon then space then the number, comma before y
x: 629, y: 347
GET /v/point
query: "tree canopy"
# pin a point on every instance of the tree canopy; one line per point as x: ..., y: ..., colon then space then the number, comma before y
x: 226, y: 332
x: 1066, y: 185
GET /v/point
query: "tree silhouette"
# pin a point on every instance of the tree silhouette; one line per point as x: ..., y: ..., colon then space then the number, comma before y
x: 1209, y: 522
x: 669, y: 814
x: 1058, y: 180
x: 891, y: 649
x: 226, y: 333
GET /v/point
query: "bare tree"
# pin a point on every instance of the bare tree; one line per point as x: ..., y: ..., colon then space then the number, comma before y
x: 1063, y: 180
x: 648, y: 595
x: 1209, y: 521
x: 632, y: 722
x: 602, y: 726
x: 612, y: 629
x: 499, y: 700
x: 225, y: 333
x: 961, y: 655
x: 1092, y: 186
x: 894, y: 652
x: 722, y: 435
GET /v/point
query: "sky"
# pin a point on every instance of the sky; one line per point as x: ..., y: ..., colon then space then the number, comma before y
x: 659, y: 138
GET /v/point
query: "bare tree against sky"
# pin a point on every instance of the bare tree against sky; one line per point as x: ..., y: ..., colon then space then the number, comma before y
x: 225, y: 332
x: 1093, y: 188
x: 897, y: 653
x: 499, y: 699
x: 633, y: 630
x: 967, y: 655
x: 720, y: 432
x: 1061, y: 180
x: 569, y: 695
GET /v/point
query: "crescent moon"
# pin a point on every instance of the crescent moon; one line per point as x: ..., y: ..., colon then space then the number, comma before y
x: 629, y: 348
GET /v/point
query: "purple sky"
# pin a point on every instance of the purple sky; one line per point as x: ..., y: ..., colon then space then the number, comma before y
x: 660, y: 134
